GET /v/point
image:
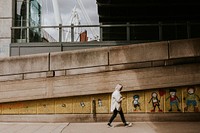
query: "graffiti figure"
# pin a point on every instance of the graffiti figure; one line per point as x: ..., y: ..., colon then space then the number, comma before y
x: 136, y: 102
x: 191, y: 99
x: 100, y: 102
x: 174, y: 100
x: 155, y: 102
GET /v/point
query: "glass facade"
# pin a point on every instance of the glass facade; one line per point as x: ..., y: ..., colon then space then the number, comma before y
x: 28, y: 14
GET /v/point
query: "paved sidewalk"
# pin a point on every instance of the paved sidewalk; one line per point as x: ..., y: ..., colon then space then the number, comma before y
x: 32, y: 127
x: 137, y: 127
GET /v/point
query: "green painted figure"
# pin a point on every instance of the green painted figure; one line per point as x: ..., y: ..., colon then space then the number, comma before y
x: 191, y: 99
x: 155, y: 102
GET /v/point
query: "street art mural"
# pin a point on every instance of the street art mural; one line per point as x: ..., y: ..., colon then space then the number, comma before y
x: 64, y: 105
x: 155, y: 101
x: 135, y: 102
x: 173, y: 100
x: 82, y: 105
x: 177, y: 99
x: 102, y: 103
x: 124, y: 103
x: 191, y: 99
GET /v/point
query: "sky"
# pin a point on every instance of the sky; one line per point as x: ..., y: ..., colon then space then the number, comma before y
x: 66, y: 8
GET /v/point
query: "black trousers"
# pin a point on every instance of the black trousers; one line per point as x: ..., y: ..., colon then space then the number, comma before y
x: 115, y: 114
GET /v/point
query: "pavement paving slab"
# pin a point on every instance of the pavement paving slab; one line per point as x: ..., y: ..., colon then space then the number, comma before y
x: 32, y: 127
x: 101, y: 127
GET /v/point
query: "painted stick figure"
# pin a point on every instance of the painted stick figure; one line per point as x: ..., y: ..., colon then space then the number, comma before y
x: 174, y: 100
x: 136, y: 102
x: 100, y: 102
x: 155, y: 102
x: 191, y: 99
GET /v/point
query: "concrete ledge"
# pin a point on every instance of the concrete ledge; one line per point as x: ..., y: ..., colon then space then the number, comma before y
x: 24, y: 64
x: 157, y: 117
x: 11, y: 77
x: 34, y: 75
x: 90, y: 60
x: 138, y: 53
x: 60, y: 73
x: 184, y: 48
x: 78, y: 59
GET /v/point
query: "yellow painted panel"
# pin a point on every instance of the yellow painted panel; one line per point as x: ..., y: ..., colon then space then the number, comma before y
x: 153, y: 101
x: 191, y: 99
x: 173, y: 100
x: 46, y: 106
x: 0, y: 108
x: 11, y: 108
x: 82, y: 104
x: 102, y: 103
x: 124, y: 102
x: 64, y: 105
x: 136, y: 101
x: 28, y: 107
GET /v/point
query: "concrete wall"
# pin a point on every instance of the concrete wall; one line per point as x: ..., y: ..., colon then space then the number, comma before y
x: 97, y: 83
x: 6, y: 17
x: 97, y: 71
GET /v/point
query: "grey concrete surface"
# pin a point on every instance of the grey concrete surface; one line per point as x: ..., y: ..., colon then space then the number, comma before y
x: 137, y: 127
x: 32, y: 127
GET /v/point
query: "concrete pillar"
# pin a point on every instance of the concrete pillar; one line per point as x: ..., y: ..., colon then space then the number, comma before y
x: 6, y: 20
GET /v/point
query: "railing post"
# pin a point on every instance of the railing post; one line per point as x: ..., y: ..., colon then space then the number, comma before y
x: 188, y: 30
x: 101, y: 32
x: 60, y: 33
x: 160, y: 30
x: 72, y: 32
x: 27, y: 20
x: 127, y: 32
x: 60, y: 37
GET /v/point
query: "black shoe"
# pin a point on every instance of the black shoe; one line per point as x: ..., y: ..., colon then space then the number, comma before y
x: 109, y: 125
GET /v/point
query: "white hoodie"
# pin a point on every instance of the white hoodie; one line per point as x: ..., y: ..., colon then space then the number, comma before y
x: 116, y: 98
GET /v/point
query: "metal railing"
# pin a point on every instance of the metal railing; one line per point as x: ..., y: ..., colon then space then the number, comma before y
x: 113, y: 31
x: 59, y: 32
x: 109, y: 35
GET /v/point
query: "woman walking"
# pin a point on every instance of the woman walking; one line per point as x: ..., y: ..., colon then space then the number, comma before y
x: 116, y: 101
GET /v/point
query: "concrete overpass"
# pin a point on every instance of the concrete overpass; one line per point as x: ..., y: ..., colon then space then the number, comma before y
x: 66, y: 86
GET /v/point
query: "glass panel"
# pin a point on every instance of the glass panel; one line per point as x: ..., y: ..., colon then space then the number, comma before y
x: 23, y: 34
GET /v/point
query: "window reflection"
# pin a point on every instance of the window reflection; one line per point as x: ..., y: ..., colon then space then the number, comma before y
x: 28, y: 14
